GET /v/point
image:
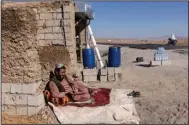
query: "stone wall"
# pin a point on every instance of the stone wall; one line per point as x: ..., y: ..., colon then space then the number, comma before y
x: 29, y: 33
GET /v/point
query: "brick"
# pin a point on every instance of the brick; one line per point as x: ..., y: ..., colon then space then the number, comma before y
x: 111, y: 77
x: 90, y: 78
x: 52, y: 22
x: 16, y: 88
x: 34, y: 109
x: 118, y: 77
x: 103, y: 78
x: 40, y: 36
x: 21, y: 99
x: 36, y: 100
x: 168, y: 62
x: 22, y: 110
x: 11, y: 110
x: 155, y: 63
x: 9, y: 99
x: 111, y: 70
x: 45, y: 16
x: 103, y: 72
x: 6, y: 87
x: 89, y: 72
x: 40, y: 22
x: 117, y: 70
x: 45, y: 30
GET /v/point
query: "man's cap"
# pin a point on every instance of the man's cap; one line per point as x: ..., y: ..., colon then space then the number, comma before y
x: 59, y: 65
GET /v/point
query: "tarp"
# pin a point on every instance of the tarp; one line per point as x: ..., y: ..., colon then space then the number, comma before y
x: 120, y: 110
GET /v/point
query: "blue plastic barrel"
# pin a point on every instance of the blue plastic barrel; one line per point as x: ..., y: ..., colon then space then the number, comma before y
x: 88, y: 58
x: 114, y: 56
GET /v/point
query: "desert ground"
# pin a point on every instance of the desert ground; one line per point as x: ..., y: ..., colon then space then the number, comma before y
x: 164, y: 89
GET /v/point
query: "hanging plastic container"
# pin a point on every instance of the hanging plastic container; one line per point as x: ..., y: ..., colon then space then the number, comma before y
x: 88, y: 58
x: 114, y: 56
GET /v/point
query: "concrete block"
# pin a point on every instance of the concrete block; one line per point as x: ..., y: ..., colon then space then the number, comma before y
x: 118, y: 77
x: 52, y: 23
x: 67, y: 29
x: 58, y: 16
x: 35, y: 10
x: 58, y: 10
x: 42, y: 30
x: 45, y: 16
x: 104, y: 72
x: 111, y: 70
x: 49, y: 36
x: 89, y: 72
x: 16, y: 88
x: 90, y: 78
x: 36, y: 100
x: 66, y: 15
x: 6, y: 87
x: 57, y: 30
x: 69, y: 43
x: 40, y: 22
x: 66, y: 22
x: 40, y: 36
x: 118, y: 70
x: 37, y: 16
x: 111, y: 77
x: 22, y: 110
x: 103, y: 78
x: 9, y: 99
x: 57, y: 42
x: 11, y: 110
x: 54, y: 15
x: 34, y: 109
x: 155, y: 63
x: 3, y: 98
x: 21, y: 99
x: 168, y: 62
x: 67, y: 8
x: 44, y: 42
x: 29, y: 88
x: 58, y: 36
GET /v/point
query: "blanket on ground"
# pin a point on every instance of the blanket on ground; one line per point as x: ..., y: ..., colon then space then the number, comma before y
x: 120, y: 110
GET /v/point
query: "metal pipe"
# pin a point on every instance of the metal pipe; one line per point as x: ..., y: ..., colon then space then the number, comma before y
x: 96, y: 49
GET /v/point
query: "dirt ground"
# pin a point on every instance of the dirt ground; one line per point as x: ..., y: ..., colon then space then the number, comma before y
x: 164, y: 89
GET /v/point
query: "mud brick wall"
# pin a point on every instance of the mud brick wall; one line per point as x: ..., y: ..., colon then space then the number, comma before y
x: 29, y: 33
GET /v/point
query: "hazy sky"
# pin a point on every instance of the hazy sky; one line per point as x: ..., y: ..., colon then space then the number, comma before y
x: 139, y: 19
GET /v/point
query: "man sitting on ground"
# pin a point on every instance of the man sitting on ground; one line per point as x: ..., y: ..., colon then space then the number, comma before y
x: 61, y: 85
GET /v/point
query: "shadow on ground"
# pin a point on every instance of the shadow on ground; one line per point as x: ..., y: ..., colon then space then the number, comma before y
x: 147, y: 46
x: 181, y: 51
x: 145, y: 65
